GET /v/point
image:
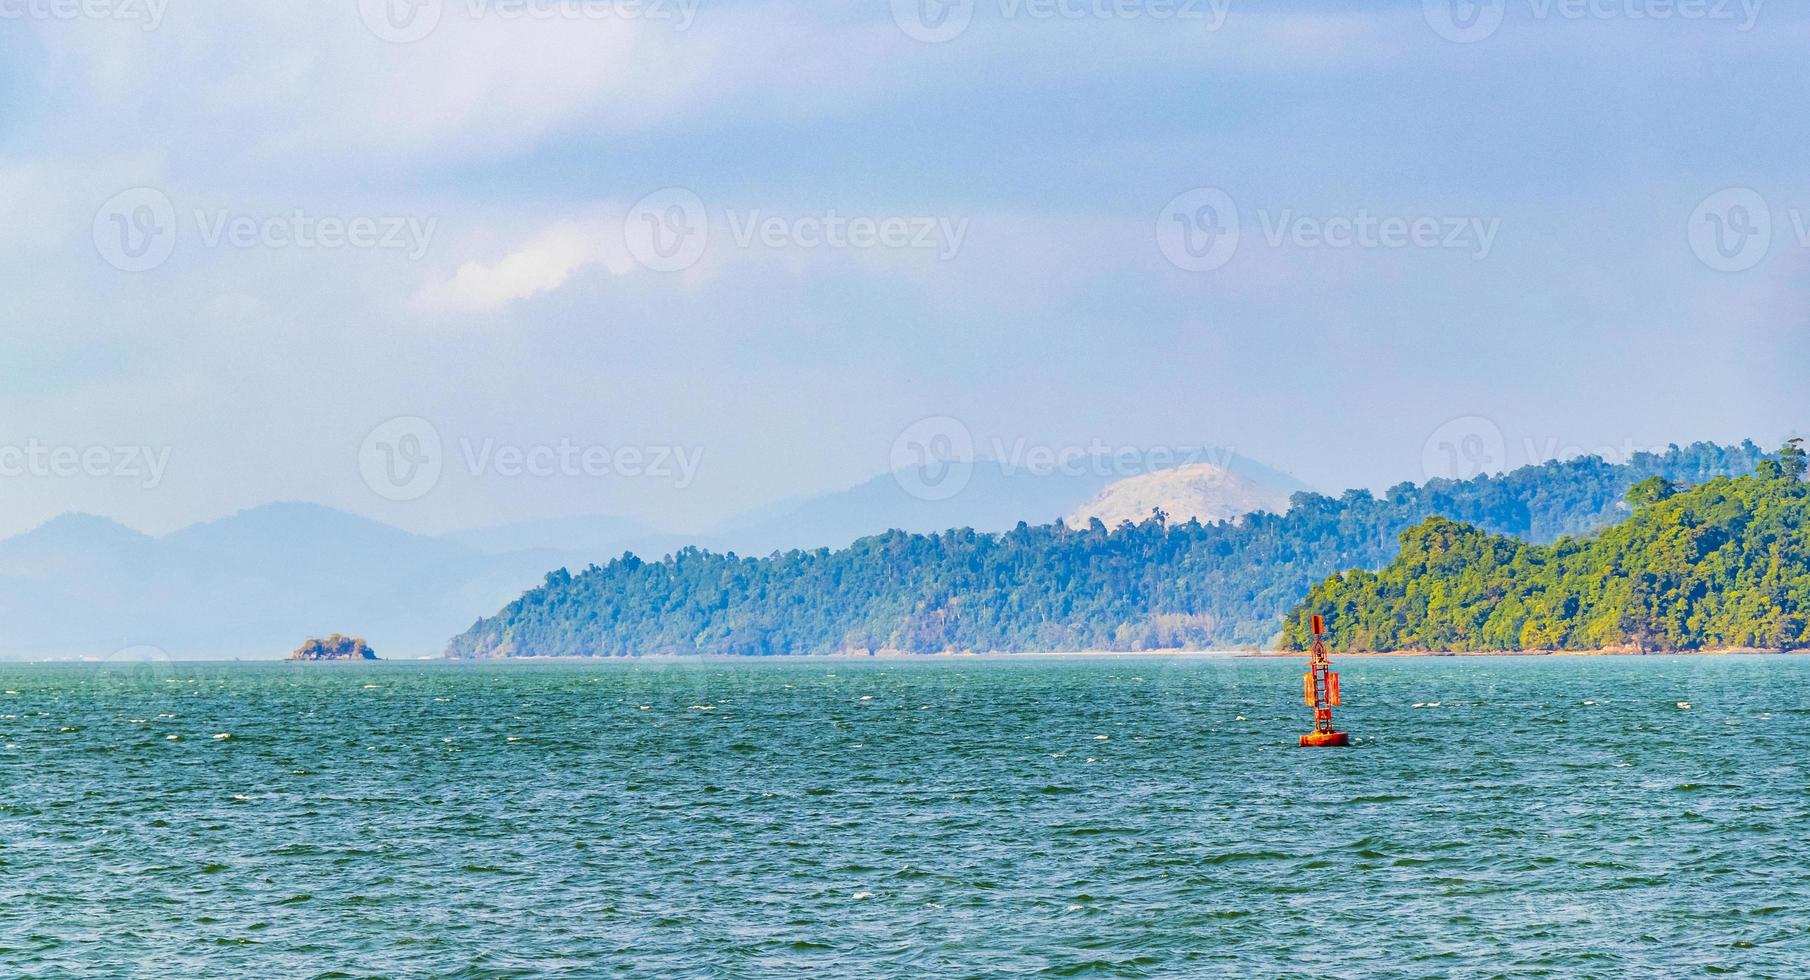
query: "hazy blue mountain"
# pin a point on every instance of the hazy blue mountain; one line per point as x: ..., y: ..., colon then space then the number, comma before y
x: 255, y: 584
x: 995, y: 496
x: 252, y: 585
x: 72, y: 544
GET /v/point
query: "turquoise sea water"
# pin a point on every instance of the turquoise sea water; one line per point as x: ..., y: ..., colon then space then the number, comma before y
x: 1107, y: 817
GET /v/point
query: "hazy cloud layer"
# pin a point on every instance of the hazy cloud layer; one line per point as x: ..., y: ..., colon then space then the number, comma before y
x: 781, y: 234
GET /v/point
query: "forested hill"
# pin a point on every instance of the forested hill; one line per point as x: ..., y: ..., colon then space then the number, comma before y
x: 1145, y: 586
x: 1724, y: 565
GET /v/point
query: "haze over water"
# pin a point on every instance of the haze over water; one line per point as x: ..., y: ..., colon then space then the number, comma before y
x: 1117, y: 817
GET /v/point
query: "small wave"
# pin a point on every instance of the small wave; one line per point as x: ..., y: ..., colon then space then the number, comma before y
x: 1241, y: 857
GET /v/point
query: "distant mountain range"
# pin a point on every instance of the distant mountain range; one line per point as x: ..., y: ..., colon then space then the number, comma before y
x: 259, y: 582
x: 255, y: 584
x: 995, y: 496
x: 1162, y: 583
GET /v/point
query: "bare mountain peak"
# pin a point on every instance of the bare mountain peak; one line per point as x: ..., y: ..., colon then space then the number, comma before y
x: 1206, y: 492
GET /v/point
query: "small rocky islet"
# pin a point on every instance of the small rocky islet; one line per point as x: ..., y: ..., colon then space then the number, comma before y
x: 334, y: 647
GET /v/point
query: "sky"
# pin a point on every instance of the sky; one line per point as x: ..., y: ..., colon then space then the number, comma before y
x: 453, y: 263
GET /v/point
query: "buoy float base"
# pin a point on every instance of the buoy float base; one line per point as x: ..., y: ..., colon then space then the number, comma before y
x: 1316, y: 740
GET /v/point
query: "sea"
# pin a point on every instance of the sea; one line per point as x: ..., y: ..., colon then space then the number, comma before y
x: 1109, y: 816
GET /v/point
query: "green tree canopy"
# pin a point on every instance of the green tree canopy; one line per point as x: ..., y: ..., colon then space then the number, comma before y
x: 1159, y: 584
x: 1724, y: 565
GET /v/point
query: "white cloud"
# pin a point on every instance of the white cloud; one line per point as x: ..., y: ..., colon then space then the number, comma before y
x: 542, y: 264
x: 309, y: 90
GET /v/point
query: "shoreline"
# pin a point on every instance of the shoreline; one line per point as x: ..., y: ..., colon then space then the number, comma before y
x: 1120, y: 654
x: 1716, y: 652
x: 953, y: 657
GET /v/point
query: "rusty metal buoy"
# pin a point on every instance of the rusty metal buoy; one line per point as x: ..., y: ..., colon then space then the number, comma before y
x: 1321, y: 687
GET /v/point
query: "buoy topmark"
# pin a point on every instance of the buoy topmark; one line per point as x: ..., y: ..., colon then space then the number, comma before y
x: 1321, y: 688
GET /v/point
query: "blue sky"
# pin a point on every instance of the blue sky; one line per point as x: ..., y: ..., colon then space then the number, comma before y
x: 498, y: 185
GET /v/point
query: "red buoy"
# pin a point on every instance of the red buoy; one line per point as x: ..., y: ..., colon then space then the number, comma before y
x: 1320, y: 687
